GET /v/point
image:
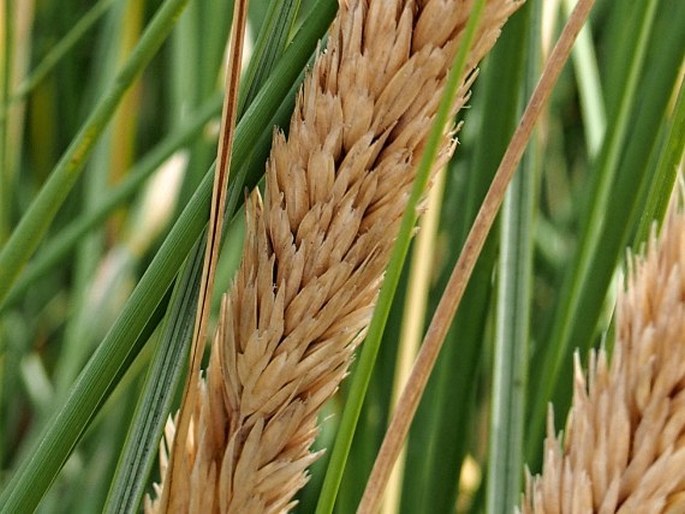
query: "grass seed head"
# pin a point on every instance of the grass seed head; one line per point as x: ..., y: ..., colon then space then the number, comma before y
x: 624, y: 446
x: 316, y: 246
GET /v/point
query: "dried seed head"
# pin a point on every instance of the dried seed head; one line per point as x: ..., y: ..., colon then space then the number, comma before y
x: 624, y: 448
x: 316, y: 247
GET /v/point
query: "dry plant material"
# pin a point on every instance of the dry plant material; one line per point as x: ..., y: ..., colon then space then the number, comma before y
x: 624, y: 448
x: 315, y: 250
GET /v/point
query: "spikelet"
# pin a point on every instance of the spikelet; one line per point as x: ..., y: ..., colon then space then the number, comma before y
x: 316, y: 247
x: 624, y: 448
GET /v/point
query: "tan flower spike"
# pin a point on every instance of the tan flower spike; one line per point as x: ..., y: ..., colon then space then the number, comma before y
x: 624, y: 448
x: 316, y: 248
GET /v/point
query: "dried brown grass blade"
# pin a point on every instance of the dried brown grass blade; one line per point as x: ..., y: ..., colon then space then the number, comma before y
x: 214, y: 232
x: 624, y: 447
x: 435, y: 336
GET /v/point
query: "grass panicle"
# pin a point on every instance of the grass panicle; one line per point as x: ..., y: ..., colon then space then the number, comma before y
x: 624, y: 444
x: 316, y: 247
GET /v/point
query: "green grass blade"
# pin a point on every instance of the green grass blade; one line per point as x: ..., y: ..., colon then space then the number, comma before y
x: 362, y: 375
x: 57, y: 52
x: 6, y: 183
x: 621, y: 27
x: 375, y: 413
x: 183, y: 75
x: 513, y: 309
x: 6, y: 60
x: 212, y: 37
x: 35, y: 222
x: 667, y: 170
x: 589, y: 89
x: 166, y: 370
x: 273, y: 36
